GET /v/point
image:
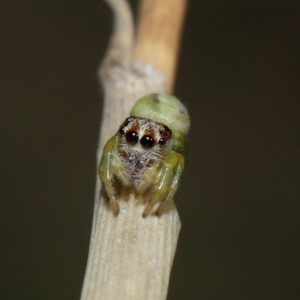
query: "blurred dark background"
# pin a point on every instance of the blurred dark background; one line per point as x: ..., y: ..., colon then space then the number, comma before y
x: 239, y: 75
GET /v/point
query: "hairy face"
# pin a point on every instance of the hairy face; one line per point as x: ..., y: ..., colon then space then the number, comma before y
x: 143, y: 143
x: 145, y: 136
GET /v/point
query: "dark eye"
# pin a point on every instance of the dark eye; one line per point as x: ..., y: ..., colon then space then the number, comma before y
x: 132, y: 137
x: 121, y: 130
x: 161, y: 142
x: 167, y: 129
x: 147, y: 141
x: 122, y: 127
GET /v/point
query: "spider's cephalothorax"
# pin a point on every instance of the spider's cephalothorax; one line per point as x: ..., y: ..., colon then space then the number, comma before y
x: 143, y: 144
x: 146, y: 152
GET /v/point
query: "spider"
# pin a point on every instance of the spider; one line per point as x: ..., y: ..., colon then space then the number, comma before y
x: 147, y: 151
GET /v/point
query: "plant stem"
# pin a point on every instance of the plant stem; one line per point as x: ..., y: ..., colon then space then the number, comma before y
x: 130, y: 257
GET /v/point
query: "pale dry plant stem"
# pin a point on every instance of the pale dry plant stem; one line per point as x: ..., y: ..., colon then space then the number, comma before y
x: 130, y: 257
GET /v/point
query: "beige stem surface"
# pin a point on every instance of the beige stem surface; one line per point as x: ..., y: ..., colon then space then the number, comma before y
x: 158, y: 35
x: 130, y: 257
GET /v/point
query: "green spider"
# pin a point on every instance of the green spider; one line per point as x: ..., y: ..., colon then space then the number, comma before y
x: 147, y: 151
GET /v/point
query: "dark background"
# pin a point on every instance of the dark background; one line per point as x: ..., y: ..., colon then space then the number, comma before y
x: 239, y: 75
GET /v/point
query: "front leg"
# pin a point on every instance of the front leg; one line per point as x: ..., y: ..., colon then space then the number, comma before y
x: 167, y: 182
x: 174, y: 184
x: 106, y: 170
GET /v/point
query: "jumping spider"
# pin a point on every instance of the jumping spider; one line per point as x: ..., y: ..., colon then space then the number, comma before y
x: 147, y: 151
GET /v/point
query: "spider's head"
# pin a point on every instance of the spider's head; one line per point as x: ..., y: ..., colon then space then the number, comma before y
x: 145, y: 137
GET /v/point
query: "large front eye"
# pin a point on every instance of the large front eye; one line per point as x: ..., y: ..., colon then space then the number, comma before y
x: 147, y: 141
x: 132, y: 137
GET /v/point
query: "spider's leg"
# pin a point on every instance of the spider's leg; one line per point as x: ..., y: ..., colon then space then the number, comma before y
x: 106, y: 170
x: 174, y: 185
x: 167, y: 183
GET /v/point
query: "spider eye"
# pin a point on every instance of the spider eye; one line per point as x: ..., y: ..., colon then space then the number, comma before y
x: 132, y: 137
x: 147, y: 141
x: 121, y: 130
x: 161, y: 142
